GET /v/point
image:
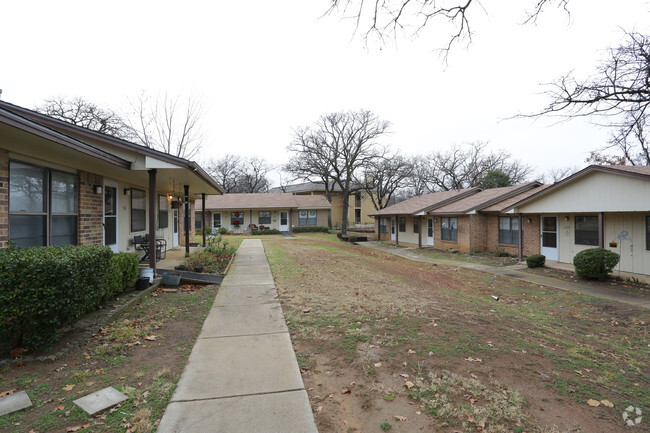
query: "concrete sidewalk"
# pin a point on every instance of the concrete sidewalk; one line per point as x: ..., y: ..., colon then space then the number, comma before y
x: 242, y: 375
x: 602, y: 290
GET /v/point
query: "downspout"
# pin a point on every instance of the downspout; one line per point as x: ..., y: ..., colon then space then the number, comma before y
x: 203, y: 216
x: 520, y: 237
x: 153, y: 252
x: 187, y: 220
x: 601, y: 230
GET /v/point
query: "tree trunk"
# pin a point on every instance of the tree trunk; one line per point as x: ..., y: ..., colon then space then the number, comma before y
x: 344, y: 217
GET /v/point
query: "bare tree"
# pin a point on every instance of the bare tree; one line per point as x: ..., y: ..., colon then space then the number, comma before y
x: 240, y: 175
x: 384, y: 177
x: 334, y: 150
x: 557, y: 174
x: 226, y: 171
x: 466, y: 166
x: 382, y: 19
x: 86, y: 114
x: 618, y: 94
x: 168, y: 124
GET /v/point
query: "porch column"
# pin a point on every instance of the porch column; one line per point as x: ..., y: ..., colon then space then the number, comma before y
x: 420, y: 233
x: 187, y: 220
x: 152, y: 220
x: 203, y: 216
x: 520, y: 237
x: 601, y: 230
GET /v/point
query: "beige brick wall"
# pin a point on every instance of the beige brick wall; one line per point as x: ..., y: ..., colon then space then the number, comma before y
x: 91, y: 209
x: 4, y: 198
x: 181, y: 222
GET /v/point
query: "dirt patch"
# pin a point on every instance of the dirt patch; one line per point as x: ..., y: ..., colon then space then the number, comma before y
x: 374, y: 333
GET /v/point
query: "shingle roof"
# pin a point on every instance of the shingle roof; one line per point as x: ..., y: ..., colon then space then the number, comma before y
x: 303, y: 187
x: 483, y: 199
x: 504, y: 205
x: 264, y: 201
x: 425, y: 202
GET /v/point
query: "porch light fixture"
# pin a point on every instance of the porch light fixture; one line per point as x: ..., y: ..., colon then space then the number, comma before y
x: 127, y: 191
x: 530, y: 220
x: 97, y: 189
x: 566, y: 218
x: 170, y: 197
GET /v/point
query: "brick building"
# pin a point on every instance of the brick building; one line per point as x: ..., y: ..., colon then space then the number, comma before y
x: 63, y: 184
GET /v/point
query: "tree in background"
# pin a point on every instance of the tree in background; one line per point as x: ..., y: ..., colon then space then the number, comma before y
x: 384, y: 177
x: 495, y: 179
x: 237, y: 174
x: 86, y: 114
x: 334, y: 151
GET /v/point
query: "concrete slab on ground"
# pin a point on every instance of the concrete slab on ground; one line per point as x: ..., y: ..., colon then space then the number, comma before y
x: 14, y: 402
x: 235, y: 366
x: 286, y: 412
x: 247, y: 279
x: 244, y: 320
x: 100, y: 400
x: 251, y: 269
x: 246, y: 295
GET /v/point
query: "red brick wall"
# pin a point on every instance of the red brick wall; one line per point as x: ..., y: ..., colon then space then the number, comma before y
x: 4, y: 198
x: 531, y: 235
x: 478, y: 232
x: 462, y: 243
x: 181, y: 222
x: 91, y: 209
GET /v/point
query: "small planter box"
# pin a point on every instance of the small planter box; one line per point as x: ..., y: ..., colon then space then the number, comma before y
x: 171, y: 279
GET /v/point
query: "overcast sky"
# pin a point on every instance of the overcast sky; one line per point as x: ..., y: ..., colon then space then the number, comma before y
x: 264, y: 67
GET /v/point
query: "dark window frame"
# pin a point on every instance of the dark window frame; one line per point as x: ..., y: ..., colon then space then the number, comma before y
x: 137, y: 212
x: 310, y: 218
x: 401, y: 224
x: 416, y: 225
x: 383, y: 227
x: 264, y: 220
x: 48, y: 215
x: 449, y: 234
x: 508, y: 236
x: 584, y: 236
x: 198, y: 220
x: 237, y: 218
x: 163, y: 214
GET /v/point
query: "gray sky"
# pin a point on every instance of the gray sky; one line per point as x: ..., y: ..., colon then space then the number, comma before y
x: 262, y: 68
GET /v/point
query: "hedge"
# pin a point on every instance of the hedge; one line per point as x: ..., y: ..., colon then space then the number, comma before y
x: 267, y: 232
x: 43, y: 289
x: 535, y: 260
x: 595, y: 263
x: 311, y: 229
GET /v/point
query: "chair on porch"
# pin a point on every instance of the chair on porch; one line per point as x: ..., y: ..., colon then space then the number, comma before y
x: 252, y: 228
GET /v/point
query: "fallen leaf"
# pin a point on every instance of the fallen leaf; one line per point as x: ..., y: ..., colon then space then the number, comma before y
x: 404, y: 375
x: 319, y: 408
x: 145, y: 394
x: 400, y: 418
x: 306, y: 310
x: 378, y: 364
x: 418, y: 413
x: 68, y: 387
x: 607, y: 403
x: 474, y: 376
x: 409, y: 384
x: 345, y: 391
x: 3, y: 393
x: 150, y: 337
x: 77, y: 428
x: 470, y: 418
x: 90, y: 383
x: 482, y: 423
x: 99, y: 370
x: 58, y: 408
x: 411, y: 351
x: 592, y: 402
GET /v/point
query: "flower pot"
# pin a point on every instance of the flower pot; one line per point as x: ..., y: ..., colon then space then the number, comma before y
x: 142, y: 283
x: 171, y: 279
x: 148, y: 273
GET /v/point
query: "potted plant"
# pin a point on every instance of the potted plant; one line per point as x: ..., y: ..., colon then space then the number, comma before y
x: 171, y: 279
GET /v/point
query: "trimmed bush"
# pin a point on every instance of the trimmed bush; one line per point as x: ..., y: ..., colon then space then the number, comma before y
x: 535, y: 260
x: 124, y: 272
x: 595, y: 263
x: 223, y: 231
x: 311, y: 229
x: 45, y: 288
x: 267, y: 232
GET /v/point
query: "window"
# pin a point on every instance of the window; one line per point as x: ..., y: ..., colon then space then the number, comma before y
x: 264, y: 217
x: 42, y: 206
x: 357, y: 216
x: 307, y: 218
x: 216, y: 220
x: 198, y: 220
x: 586, y: 230
x: 402, y: 224
x: 163, y: 212
x: 357, y: 199
x: 138, y: 210
x: 382, y: 226
x: 236, y: 218
x: 509, y: 230
x: 416, y: 225
x: 449, y: 231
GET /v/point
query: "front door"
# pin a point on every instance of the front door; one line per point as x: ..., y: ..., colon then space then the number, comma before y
x: 284, y: 221
x: 430, y: 232
x: 549, y: 238
x: 110, y: 216
x: 175, y: 233
x: 393, y: 236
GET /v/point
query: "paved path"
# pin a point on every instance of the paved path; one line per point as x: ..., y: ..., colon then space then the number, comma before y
x: 242, y: 375
x: 590, y: 288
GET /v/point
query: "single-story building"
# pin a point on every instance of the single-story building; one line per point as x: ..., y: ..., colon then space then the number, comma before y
x: 279, y: 211
x: 63, y: 184
x: 466, y: 220
x: 599, y: 206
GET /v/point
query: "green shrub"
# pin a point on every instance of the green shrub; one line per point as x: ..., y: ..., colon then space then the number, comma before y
x: 223, y: 231
x: 45, y: 288
x: 267, y: 232
x: 595, y: 263
x: 535, y: 261
x: 124, y: 268
x: 311, y: 229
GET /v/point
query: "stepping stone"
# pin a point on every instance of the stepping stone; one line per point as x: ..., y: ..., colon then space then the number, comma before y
x: 14, y: 402
x: 100, y: 400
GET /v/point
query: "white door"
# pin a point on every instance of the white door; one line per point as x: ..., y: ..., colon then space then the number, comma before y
x: 393, y: 236
x: 175, y: 224
x: 110, y: 215
x: 549, y: 238
x: 430, y: 232
x: 284, y: 221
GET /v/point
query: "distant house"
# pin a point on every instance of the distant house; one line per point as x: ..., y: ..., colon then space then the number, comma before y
x: 63, y: 184
x: 466, y: 220
x: 599, y: 206
x: 279, y: 211
x: 359, y: 206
